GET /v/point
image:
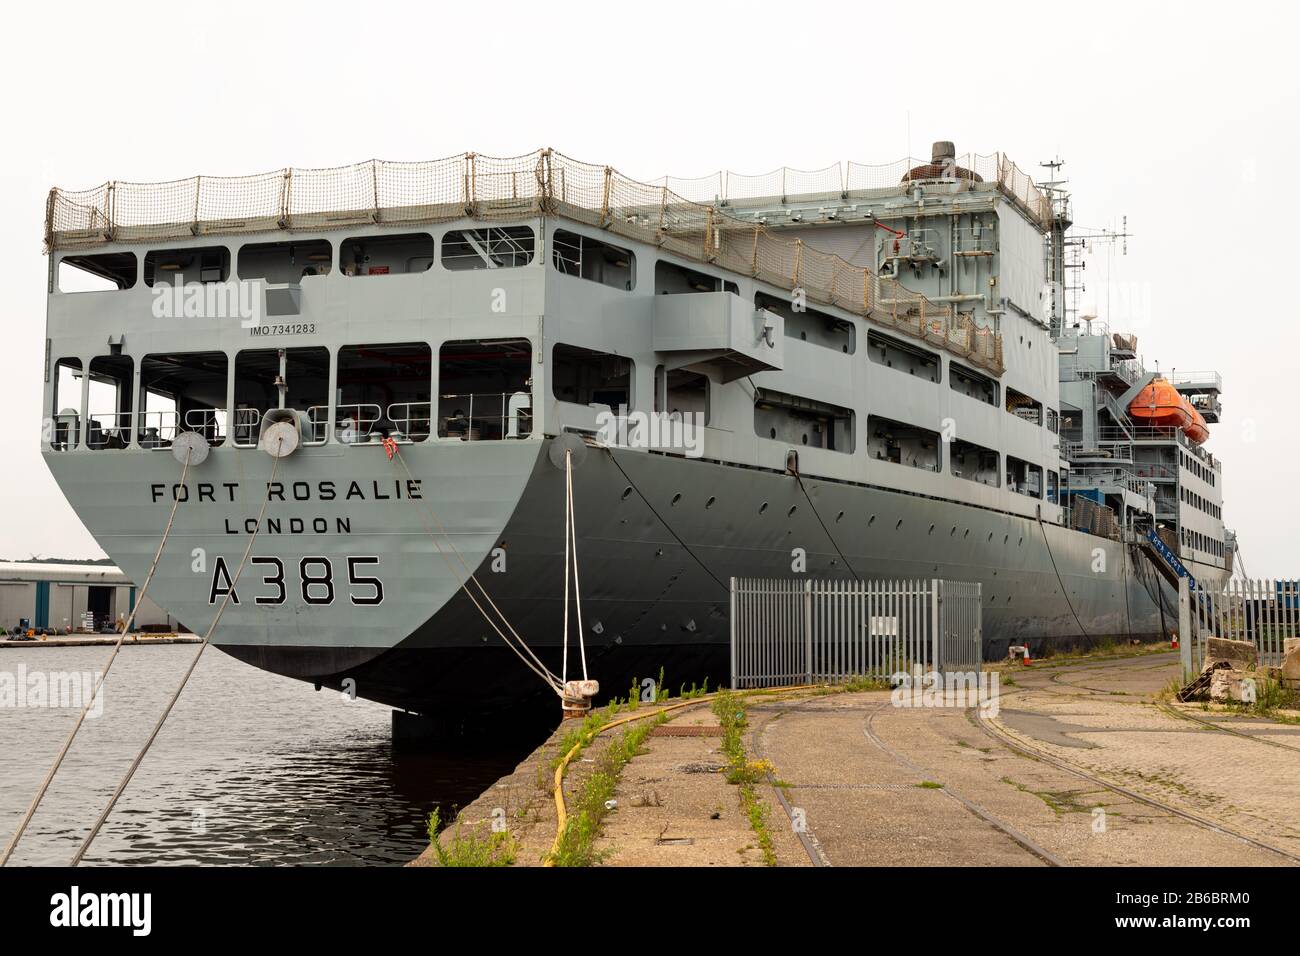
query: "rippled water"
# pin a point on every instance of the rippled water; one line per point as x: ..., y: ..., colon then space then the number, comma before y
x: 250, y: 768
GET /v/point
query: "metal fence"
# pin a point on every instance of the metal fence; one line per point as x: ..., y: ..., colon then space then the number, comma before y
x: 1263, y: 612
x: 804, y: 631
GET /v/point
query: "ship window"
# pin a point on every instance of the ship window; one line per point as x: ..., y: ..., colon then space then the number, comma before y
x: 207, y: 264
x: 104, y: 272
x: 672, y: 279
x: 306, y: 377
x: 65, y: 405
x: 386, y: 255
x: 492, y: 247
x: 1024, y: 478
x: 1053, y: 421
x: 974, y: 463
x: 972, y: 384
x: 383, y: 390
x: 184, y: 393
x: 1024, y: 407
x: 802, y: 422
x: 285, y: 262
x: 587, y: 258
x: 1053, y: 487
x: 901, y: 443
x: 811, y: 325
x: 587, y: 377
x: 887, y: 351
x: 681, y: 392
x: 108, y: 403
x: 485, y: 388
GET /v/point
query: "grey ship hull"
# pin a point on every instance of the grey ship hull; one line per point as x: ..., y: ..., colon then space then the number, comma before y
x: 658, y: 539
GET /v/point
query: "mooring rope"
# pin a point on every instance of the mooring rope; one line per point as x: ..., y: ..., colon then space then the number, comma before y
x: 1064, y: 591
x: 535, y: 664
x: 571, y: 558
x: 203, y: 645
x: 99, y: 681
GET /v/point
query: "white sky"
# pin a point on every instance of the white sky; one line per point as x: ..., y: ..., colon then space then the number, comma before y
x: 1181, y: 116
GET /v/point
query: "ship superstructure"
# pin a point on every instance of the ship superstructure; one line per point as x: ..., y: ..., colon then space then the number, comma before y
x: 850, y: 374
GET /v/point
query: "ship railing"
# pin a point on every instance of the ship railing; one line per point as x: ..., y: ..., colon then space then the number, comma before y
x: 920, y: 244
x: 1199, y: 379
x: 1147, y: 469
x: 970, y: 241
x: 158, y: 429
x: 318, y: 422
x: 1130, y: 370
x: 354, y: 424
x: 208, y: 422
x: 412, y: 421
x: 247, y: 426
x: 109, y: 429
x: 486, y: 416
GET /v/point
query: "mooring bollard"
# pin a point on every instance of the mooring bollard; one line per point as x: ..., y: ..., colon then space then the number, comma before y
x: 576, y: 702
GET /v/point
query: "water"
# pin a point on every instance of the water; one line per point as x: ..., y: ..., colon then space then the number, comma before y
x: 250, y: 768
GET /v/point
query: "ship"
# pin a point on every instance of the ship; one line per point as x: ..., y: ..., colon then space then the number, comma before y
x: 862, y: 372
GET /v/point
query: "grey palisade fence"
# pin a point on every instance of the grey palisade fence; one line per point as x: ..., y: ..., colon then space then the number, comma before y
x: 795, y: 631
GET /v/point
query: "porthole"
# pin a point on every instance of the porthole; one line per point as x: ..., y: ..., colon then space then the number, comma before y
x: 676, y: 498
x: 931, y: 531
x: 709, y: 503
x: 871, y: 521
x: 763, y: 508
x: 626, y: 491
x: 839, y: 517
x: 793, y: 509
x: 899, y: 524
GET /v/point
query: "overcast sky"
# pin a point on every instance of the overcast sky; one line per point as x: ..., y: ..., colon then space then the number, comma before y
x: 1182, y: 117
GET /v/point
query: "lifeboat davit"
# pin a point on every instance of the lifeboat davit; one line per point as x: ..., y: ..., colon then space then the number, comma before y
x: 1161, y: 405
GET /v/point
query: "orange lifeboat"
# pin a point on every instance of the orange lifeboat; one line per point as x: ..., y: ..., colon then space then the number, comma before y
x: 1159, y: 404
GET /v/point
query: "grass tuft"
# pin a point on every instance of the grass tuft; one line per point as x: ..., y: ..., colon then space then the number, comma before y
x: 471, y: 847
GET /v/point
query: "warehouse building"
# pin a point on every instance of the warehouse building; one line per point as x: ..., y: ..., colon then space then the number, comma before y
x: 74, y: 597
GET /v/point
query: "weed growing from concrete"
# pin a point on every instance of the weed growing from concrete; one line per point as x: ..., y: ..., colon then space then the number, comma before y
x: 471, y: 847
x: 730, y: 711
